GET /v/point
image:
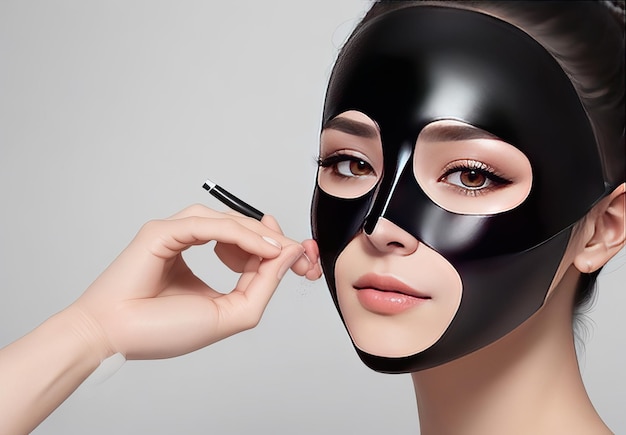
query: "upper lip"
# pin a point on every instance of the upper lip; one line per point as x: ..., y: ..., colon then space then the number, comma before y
x: 387, y: 283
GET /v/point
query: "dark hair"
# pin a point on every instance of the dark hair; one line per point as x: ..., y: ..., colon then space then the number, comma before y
x: 587, y: 39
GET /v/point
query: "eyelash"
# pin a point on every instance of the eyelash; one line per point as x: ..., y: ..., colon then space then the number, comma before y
x: 493, y: 179
x: 333, y: 160
x: 483, y: 169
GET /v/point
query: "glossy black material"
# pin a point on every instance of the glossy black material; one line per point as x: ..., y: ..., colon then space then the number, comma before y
x: 409, y: 68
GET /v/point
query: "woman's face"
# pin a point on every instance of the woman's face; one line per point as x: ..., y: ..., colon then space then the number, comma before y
x: 436, y: 237
x: 398, y: 296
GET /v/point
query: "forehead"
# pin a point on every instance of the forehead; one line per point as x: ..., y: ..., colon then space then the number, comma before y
x: 449, y: 63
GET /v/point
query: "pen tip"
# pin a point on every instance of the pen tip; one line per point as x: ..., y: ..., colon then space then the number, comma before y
x: 208, y: 185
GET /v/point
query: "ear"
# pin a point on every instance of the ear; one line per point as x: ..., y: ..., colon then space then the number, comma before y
x: 604, y: 232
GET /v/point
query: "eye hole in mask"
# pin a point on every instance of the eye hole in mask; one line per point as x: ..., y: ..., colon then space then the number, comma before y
x: 462, y: 169
x: 467, y: 170
x: 351, y: 157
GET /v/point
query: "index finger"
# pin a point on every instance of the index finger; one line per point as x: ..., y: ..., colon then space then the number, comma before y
x: 168, y: 238
x: 267, y: 227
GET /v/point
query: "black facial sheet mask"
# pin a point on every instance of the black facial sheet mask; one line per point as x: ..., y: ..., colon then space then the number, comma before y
x: 422, y: 64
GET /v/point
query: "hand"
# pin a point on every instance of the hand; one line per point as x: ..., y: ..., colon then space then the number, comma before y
x: 235, y: 258
x: 148, y: 304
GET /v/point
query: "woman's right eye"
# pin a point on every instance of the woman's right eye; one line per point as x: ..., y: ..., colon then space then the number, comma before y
x: 347, y: 166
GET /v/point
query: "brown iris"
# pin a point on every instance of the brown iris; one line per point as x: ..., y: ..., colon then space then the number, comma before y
x: 360, y: 168
x: 472, y: 178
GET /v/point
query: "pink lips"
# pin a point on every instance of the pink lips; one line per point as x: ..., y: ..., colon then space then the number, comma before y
x: 386, y: 295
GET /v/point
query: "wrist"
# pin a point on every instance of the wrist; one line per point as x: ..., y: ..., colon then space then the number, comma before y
x: 88, y: 331
x: 40, y: 370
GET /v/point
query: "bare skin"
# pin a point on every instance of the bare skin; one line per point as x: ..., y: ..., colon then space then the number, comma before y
x: 529, y: 381
x: 148, y: 304
x: 525, y: 383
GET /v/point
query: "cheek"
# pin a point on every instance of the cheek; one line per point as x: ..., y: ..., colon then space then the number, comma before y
x: 409, y: 331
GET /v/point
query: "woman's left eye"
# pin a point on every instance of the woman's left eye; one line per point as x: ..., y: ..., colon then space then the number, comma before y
x: 472, y: 177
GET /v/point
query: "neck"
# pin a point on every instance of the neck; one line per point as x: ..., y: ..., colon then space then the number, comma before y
x: 527, y: 382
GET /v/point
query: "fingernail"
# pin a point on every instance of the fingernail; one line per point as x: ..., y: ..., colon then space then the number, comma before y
x: 272, y: 242
x: 289, y: 261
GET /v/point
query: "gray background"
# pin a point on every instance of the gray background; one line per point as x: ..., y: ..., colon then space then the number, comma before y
x: 113, y: 113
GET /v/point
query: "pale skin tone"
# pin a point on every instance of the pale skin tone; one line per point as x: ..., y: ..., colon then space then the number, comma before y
x: 147, y: 305
x: 463, y: 170
x: 415, y: 265
x: 528, y: 381
x: 537, y: 371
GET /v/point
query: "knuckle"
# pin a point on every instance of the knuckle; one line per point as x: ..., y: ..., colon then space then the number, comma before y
x: 196, y: 210
x: 151, y: 226
x: 230, y: 225
x: 194, y: 220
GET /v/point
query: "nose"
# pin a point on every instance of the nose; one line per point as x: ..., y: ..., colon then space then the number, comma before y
x: 388, y: 238
x: 387, y: 186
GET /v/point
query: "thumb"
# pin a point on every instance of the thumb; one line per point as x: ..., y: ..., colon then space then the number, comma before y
x: 261, y: 287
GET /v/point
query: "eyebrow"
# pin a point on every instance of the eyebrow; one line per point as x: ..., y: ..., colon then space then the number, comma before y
x: 450, y: 133
x: 439, y: 133
x: 350, y: 126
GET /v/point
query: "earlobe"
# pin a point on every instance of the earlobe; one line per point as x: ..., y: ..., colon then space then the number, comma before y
x: 604, y: 232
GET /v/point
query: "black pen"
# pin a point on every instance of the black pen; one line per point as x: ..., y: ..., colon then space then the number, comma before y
x: 232, y: 201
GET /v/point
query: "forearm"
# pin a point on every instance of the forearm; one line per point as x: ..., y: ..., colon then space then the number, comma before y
x: 148, y: 304
x: 40, y: 370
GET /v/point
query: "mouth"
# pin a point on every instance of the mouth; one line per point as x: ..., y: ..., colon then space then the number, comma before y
x: 387, y: 295
x: 384, y: 283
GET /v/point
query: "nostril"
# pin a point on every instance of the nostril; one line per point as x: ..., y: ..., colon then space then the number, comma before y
x: 387, y: 237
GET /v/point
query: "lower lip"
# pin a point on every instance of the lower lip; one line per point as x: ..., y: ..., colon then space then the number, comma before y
x: 388, y: 303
